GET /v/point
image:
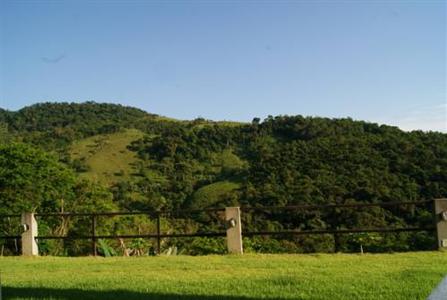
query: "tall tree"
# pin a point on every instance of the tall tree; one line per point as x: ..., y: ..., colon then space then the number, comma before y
x: 31, y: 180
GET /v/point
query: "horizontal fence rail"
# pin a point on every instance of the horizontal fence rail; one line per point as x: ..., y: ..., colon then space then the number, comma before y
x: 133, y: 236
x: 124, y: 213
x: 322, y: 206
x: 158, y: 235
x: 337, y: 231
x: 10, y: 237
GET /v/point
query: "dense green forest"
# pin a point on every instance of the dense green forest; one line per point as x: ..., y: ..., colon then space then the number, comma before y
x: 108, y: 157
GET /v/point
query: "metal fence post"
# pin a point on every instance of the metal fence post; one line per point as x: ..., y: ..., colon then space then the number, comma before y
x: 234, y: 230
x: 336, y: 243
x: 29, y: 244
x: 158, y: 234
x: 94, y: 235
x: 440, y: 209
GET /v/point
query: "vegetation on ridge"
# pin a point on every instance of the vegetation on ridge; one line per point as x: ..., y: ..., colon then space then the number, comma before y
x: 143, y: 162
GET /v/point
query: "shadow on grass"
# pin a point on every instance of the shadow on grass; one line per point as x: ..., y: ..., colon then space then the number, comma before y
x: 77, y: 294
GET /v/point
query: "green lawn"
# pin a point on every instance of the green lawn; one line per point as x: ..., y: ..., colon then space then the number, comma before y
x: 254, y: 276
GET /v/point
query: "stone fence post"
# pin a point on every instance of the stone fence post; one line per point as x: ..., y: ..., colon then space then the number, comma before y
x: 441, y: 222
x: 234, y: 230
x: 29, y: 245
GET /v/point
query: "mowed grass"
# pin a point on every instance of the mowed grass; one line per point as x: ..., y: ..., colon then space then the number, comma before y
x: 254, y: 276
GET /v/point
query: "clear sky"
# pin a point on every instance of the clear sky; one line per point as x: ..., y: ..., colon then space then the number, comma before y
x: 381, y: 61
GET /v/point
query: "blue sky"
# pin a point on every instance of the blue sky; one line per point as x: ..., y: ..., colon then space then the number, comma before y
x: 382, y: 61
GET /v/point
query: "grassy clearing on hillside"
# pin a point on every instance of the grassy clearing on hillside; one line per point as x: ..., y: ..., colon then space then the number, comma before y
x: 212, y: 193
x: 319, y: 276
x: 107, y: 155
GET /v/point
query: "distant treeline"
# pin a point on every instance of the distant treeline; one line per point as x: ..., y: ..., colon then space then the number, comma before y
x: 283, y: 160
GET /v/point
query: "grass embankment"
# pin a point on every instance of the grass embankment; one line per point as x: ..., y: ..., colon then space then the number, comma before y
x: 320, y: 276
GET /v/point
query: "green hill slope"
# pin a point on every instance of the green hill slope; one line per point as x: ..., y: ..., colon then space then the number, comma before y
x: 106, y: 156
x: 211, y: 194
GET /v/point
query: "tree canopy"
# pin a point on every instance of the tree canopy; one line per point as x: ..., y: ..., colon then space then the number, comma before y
x: 31, y: 180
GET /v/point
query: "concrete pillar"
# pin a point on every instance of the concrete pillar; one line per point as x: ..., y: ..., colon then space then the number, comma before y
x: 441, y: 222
x: 29, y: 245
x: 234, y: 230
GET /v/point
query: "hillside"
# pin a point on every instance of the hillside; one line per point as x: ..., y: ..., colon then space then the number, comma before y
x: 105, y: 157
x: 150, y: 162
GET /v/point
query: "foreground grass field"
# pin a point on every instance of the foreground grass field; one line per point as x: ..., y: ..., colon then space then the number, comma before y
x: 320, y: 276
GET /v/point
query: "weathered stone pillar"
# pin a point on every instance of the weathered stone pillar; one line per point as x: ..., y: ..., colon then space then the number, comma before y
x: 234, y: 230
x: 29, y: 245
x: 441, y: 222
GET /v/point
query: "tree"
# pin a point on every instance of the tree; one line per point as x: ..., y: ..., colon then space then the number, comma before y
x: 31, y: 180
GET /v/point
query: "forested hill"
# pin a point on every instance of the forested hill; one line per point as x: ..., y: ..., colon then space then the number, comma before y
x: 47, y: 116
x: 142, y: 161
x: 281, y: 160
x: 66, y: 122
